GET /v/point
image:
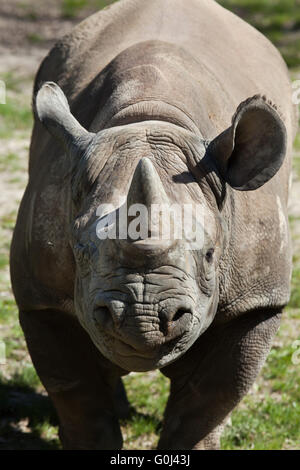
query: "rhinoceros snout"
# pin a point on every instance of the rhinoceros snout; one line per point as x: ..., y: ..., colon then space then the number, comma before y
x: 143, y: 326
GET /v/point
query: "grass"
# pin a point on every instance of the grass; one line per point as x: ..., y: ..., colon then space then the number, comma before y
x: 14, y: 116
x: 3, y: 260
x: 263, y: 426
x: 28, y: 420
x: 295, y: 294
x: 71, y: 8
x: 9, y: 162
x: 14, y: 81
x: 16, y: 113
x: 35, y: 38
x: 147, y: 393
x: 296, y: 165
x: 268, y: 417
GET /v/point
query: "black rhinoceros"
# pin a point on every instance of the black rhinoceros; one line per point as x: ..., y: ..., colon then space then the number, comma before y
x: 172, y: 102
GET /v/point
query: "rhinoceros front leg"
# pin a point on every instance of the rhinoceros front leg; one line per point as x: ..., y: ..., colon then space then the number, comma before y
x: 212, y: 377
x: 80, y: 382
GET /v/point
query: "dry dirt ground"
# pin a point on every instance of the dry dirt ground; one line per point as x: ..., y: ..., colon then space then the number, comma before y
x: 27, y: 31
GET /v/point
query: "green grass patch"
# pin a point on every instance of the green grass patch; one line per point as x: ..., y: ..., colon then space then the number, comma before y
x: 7, y: 221
x: 269, y: 419
x: 267, y: 13
x: 295, y: 289
x: 28, y: 419
x: 297, y: 142
x: 27, y: 377
x: 35, y: 38
x: 8, y: 310
x: 11, y: 80
x: 10, y: 162
x: 14, y: 116
x: 265, y: 425
x: 147, y: 392
x: 72, y: 8
x: 4, y: 260
x: 140, y: 425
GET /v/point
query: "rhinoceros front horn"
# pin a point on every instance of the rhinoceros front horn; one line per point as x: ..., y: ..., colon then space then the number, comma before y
x: 149, y: 220
x: 146, y: 187
x: 54, y: 112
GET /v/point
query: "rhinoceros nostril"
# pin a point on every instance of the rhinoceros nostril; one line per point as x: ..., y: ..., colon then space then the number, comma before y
x: 173, y: 324
x: 178, y: 314
x: 109, y: 311
x: 102, y: 317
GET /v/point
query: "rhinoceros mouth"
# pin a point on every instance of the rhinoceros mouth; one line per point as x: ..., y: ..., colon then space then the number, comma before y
x: 137, y: 360
x: 126, y: 350
x: 141, y: 342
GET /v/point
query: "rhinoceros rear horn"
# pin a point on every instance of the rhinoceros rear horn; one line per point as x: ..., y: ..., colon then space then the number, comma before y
x: 252, y: 150
x: 54, y: 112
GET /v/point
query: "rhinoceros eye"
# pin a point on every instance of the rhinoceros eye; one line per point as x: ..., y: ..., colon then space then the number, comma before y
x: 209, y: 255
x: 80, y: 251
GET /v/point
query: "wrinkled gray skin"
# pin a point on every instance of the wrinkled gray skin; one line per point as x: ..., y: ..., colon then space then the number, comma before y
x: 170, y: 99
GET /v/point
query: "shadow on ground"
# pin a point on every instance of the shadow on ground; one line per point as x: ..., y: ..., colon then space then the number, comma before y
x: 24, y: 415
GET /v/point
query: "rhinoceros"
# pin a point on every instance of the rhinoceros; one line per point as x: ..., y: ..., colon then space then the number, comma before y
x: 169, y: 102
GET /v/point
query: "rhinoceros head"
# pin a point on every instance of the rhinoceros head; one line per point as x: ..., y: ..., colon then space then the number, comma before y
x: 150, y: 225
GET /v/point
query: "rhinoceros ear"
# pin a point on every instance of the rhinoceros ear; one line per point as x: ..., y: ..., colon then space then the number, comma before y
x: 54, y: 112
x: 252, y: 150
